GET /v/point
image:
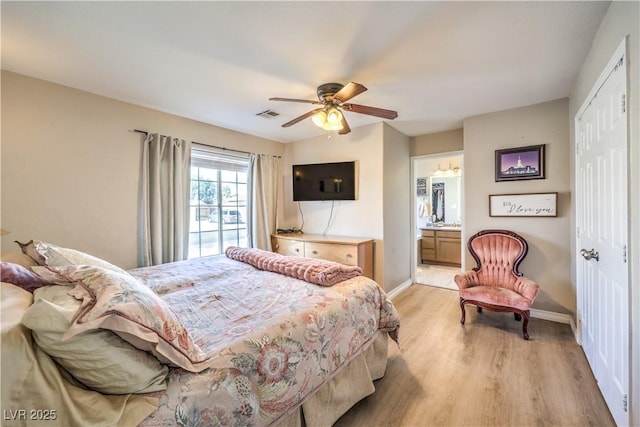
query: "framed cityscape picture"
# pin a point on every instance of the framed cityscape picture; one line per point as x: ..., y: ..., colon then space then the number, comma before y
x: 515, y: 164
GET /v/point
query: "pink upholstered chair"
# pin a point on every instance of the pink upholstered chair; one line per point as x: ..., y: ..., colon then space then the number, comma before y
x: 496, y: 284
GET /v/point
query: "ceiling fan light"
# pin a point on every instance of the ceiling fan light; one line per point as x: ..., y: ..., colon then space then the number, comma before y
x: 334, y: 116
x: 320, y: 118
x: 328, y: 119
x: 332, y: 126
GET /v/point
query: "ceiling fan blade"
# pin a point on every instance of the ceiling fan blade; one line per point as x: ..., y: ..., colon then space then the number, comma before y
x: 301, y: 118
x: 350, y: 90
x: 372, y: 111
x: 296, y: 100
x: 345, y: 127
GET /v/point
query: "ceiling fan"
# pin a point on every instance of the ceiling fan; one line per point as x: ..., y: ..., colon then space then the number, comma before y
x: 333, y: 97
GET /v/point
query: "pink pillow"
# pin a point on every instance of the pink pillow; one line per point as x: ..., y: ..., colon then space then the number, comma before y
x: 21, y: 276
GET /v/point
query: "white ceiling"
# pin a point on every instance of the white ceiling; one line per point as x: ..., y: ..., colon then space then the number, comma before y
x: 436, y: 63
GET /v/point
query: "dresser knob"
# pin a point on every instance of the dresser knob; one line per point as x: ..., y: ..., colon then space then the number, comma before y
x: 315, y: 252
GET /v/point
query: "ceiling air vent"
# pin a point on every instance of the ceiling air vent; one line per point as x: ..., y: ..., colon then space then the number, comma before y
x: 268, y: 114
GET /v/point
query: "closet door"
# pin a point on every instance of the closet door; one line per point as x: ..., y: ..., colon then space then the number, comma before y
x: 601, y: 235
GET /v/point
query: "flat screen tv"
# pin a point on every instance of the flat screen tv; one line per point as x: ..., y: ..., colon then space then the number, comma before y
x: 324, y: 181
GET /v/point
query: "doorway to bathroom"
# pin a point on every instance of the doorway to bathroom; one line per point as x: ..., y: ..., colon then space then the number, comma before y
x: 437, y: 218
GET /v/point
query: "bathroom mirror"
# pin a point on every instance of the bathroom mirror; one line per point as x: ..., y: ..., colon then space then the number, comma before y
x: 446, y: 192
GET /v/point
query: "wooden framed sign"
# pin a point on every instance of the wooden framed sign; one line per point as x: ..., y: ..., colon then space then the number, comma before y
x: 529, y: 205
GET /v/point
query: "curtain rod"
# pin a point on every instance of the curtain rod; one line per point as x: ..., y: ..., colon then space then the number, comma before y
x: 144, y: 132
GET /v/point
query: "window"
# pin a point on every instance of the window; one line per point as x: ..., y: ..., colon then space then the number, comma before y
x: 218, y: 206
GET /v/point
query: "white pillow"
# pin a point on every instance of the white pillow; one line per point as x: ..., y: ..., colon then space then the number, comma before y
x: 122, y: 304
x: 99, y: 359
x: 50, y: 255
x: 31, y: 380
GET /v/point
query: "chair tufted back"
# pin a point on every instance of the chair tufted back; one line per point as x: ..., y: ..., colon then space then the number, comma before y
x: 498, y: 254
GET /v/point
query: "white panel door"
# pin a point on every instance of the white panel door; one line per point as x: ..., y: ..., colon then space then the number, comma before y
x: 601, y: 236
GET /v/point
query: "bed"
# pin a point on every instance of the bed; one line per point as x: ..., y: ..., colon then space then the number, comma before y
x: 251, y: 338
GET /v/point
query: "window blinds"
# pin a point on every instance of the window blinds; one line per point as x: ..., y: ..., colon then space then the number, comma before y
x: 216, y: 160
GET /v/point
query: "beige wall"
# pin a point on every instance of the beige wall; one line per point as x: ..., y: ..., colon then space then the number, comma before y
x: 397, y: 208
x: 355, y: 218
x: 441, y: 142
x: 548, y: 261
x: 70, y: 166
x: 622, y: 20
x: 364, y: 145
x: 381, y: 210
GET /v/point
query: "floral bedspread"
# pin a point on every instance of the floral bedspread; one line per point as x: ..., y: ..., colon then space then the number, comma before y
x: 274, y: 339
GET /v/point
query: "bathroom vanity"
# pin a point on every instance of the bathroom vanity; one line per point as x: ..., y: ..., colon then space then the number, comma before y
x: 441, y: 245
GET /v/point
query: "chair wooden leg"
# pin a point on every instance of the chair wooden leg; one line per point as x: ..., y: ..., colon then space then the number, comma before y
x: 525, y: 334
x: 517, y: 316
x: 463, y: 311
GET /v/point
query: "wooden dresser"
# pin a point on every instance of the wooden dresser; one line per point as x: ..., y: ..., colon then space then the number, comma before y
x: 346, y: 250
x: 441, y: 246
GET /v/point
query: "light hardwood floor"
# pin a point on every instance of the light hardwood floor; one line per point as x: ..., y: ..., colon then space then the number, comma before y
x: 437, y: 275
x: 480, y: 374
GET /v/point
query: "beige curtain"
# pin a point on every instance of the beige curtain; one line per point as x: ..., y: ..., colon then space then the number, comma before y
x: 262, y: 192
x: 166, y: 165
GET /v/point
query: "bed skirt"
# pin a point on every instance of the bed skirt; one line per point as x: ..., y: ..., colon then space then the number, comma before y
x: 348, y: 387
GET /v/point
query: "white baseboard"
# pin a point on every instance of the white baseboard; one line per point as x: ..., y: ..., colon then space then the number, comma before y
x: 399, y: 289
x: 555, y: 317
x: 550, y: 315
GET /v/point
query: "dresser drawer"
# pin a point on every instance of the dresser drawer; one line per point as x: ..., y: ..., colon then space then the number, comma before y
x: 428, y: 233
x: 345, y: 254
x: 288, y: 247
x: 345, y: 250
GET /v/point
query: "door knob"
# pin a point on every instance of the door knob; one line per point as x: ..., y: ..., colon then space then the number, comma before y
x: 590, y: 254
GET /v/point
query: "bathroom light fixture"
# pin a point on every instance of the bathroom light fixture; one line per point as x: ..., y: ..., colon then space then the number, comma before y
x: 452, y: 171
x: 448, y: 172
